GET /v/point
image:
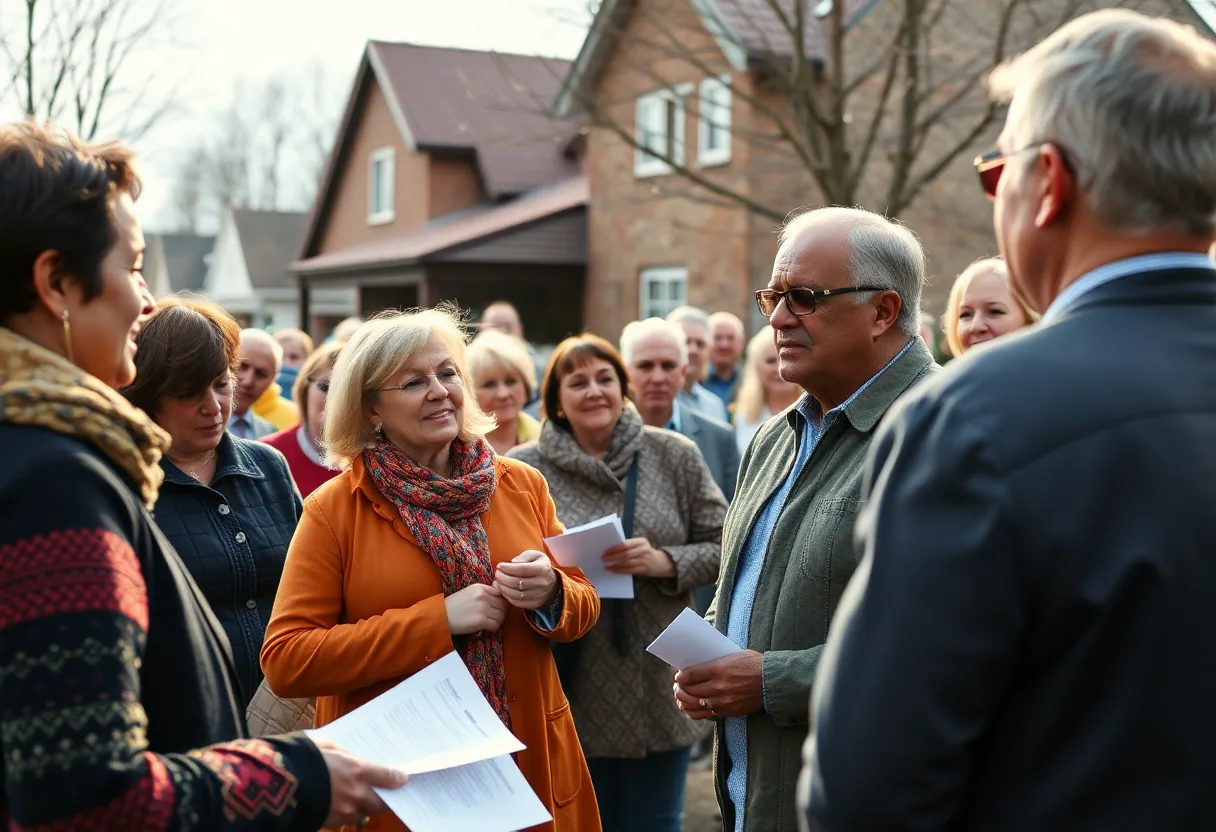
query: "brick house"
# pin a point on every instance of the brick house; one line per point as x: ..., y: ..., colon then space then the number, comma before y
x: 681, y: 77
x: 452, y: 180
x: 470, y: 176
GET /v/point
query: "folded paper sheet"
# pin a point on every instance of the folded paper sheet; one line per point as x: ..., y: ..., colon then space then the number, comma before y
x: 690, y: 640
x: 438, y: 727
x: 583, y: 547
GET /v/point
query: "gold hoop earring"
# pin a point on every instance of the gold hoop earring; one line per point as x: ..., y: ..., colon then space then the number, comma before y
x: 67, y: 336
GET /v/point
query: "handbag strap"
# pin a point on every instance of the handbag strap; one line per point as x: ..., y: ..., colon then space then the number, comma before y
x: 618, y: 608
x: 631, y: 496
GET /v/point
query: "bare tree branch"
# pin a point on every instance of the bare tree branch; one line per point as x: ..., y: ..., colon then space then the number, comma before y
x: 75, y: 58
x: 874, y: 109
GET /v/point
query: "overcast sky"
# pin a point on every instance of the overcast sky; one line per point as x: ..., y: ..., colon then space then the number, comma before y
x: 213, y: 47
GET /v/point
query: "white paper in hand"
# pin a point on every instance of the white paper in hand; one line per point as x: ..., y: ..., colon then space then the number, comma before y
x: 583, y: 547
x: 438, y: 727
x: 690, y: 640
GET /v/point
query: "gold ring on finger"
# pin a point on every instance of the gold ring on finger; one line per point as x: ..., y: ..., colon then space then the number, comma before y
x: 704, y: 703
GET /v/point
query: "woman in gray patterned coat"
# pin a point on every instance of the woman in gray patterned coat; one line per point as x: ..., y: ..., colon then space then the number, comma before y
x: 636, y: 741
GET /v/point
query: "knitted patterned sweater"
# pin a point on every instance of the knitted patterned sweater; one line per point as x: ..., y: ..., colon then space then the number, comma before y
x: 117, y: 708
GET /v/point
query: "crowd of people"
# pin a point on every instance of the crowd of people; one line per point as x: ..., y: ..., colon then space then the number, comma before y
x: 971, y: 598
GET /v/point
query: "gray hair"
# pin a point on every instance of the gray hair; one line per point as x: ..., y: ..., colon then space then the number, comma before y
x: 1129, y: 100
x: 730, y: 318
x: 688, y: 315
x: 638, y: 331
x: 883, y: 253
x: 266, y: 339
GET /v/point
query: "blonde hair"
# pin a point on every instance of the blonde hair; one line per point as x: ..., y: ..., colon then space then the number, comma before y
x: 749, y: 401
x: 382, y: 348
x: 321, y: 358
x: 298, y: 334
x: 492, y: 346
x: 996, y: 265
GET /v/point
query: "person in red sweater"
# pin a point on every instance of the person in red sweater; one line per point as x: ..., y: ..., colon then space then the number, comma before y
x: 302, y: 443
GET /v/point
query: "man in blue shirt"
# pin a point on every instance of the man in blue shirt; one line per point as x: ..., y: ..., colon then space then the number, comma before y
x: 844, y: 305
x: 727, y: 339
x: 695, y: 396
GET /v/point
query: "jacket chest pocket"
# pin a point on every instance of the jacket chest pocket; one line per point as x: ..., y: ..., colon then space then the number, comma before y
x: 826, y: 551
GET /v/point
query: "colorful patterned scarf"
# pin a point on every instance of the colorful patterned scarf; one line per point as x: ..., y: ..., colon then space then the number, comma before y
x: 444, y: 516
x: 38, y: 387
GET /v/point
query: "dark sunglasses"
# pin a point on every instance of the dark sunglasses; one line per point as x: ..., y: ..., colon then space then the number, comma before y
x: 991, y: 165
x: 802, y: 302
x: 322, y: 385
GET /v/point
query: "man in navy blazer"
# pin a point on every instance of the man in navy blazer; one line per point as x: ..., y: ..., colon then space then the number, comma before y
x: 1028, y: 641
x: 656, y: 355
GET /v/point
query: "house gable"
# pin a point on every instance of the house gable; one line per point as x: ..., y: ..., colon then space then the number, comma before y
x: 228, y: 282
x: 345, y: 218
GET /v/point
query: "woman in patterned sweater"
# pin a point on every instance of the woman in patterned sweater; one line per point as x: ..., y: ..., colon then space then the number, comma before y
x: 117, y: 705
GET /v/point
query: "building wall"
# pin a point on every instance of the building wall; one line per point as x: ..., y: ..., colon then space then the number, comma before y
x: 549, y: 298
x: 374, y: 128
x: 454, y: 186
x: 729, y: 251
x: 639, y: 223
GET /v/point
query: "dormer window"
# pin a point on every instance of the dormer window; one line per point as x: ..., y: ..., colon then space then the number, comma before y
x: 381, y: 179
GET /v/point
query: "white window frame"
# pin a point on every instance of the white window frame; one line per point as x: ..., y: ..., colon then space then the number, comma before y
x: 383, y: 159
x: 664, y: 276
x: 714, y: 109
x: 649, y: 108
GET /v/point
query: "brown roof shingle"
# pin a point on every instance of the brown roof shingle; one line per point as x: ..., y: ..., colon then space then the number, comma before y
x: 493, y: 104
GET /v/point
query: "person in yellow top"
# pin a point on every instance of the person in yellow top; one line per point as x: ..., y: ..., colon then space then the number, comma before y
x: 258, y: 401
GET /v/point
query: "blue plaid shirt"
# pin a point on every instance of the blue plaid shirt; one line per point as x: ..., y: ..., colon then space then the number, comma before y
x: 751, y: 562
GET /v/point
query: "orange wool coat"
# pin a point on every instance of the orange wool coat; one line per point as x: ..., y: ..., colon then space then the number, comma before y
x: 360, y: 607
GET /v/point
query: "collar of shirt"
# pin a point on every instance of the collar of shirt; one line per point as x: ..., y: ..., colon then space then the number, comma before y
x: 1122, y: 268
x: 675, y: 422
x: 808, y: 406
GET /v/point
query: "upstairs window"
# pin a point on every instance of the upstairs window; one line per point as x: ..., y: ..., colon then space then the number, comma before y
x: 713, y: 129
x: 661, y: 291
x: 659, y: 127
x: 381, y: 178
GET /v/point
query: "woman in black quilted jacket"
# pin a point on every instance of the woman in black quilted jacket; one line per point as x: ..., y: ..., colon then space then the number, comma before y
x: 118, y: 708
x: 229, y: 506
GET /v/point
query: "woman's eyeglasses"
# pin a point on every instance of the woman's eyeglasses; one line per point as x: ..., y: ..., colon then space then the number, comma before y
x: 801, y: 301
x: 991, y: 165
x: 449, y: 378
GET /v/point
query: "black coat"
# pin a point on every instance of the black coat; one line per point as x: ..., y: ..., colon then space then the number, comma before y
x: 112, y: 667
x: 1028, y: 642
x: 233, y: 537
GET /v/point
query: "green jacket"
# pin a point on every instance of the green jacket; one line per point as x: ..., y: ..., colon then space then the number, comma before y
x: 809, y: 561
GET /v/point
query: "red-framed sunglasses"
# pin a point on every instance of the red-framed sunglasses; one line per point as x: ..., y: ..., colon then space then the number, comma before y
x: 991, y: 165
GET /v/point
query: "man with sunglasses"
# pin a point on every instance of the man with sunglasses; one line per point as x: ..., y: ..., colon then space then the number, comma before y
x: 1028, y: 642
x: 844, y: 305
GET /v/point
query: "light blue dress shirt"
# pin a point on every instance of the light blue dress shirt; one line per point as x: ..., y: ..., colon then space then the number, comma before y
x: 751, y: 562
x: 704, y: 402
x: 675, y: 422
x: 1123, y: 268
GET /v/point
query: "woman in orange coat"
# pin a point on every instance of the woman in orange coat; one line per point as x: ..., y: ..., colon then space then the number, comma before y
x: 428, y: 543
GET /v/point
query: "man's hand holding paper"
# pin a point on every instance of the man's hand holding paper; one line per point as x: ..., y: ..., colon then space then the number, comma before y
x: 731, y: 686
